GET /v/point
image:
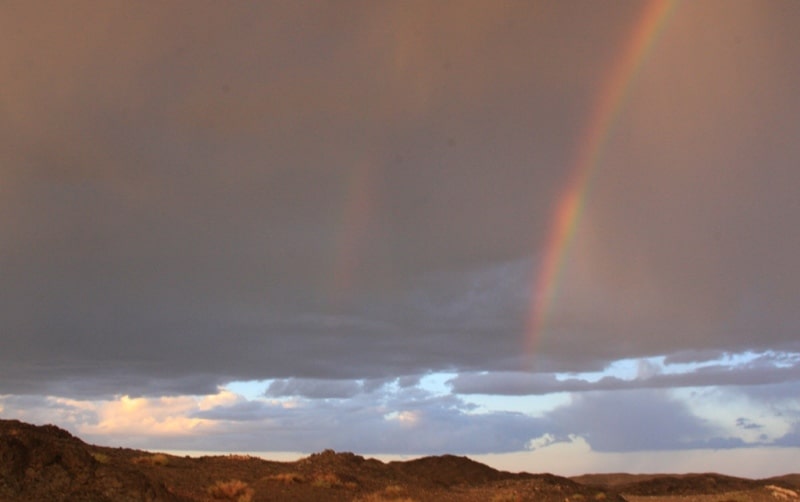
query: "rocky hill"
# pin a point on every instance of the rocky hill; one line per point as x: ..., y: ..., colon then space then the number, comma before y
x: 40, y: 463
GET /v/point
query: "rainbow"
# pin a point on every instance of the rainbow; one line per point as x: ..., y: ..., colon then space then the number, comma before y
x: 570, y: 204
x: 355, y: 220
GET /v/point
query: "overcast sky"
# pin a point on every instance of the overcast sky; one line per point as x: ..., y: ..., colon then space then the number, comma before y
x: 297, y: 225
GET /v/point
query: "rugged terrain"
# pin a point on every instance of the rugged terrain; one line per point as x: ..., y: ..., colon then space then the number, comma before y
x: 47, y: 463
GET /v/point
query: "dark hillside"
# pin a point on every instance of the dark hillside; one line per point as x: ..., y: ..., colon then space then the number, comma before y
x: 46, y: 463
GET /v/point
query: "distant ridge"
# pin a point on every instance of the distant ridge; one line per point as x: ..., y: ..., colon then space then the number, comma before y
x: 47, y: 463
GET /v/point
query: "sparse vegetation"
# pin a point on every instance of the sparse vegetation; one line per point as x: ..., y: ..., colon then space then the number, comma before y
x: 158, y: 459
x: 287, y: 478
x: 507, y: 496
x: 100, y: 458
x: 239, y: 456
x: 394, y: 490
x: 331, y: 480
x: 234, y: 490
x: 326, y: 480
x: 391, y: 493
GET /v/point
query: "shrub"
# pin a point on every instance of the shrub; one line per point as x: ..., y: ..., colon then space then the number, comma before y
x: 326, y: 480
x: 234, y: 489
x: 101, y: 458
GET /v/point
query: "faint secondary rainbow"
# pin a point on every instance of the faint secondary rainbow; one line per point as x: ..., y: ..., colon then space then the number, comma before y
x: 590, y: 149
x: 355, y: 217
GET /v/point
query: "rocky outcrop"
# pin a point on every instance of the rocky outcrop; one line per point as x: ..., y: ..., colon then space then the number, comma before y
x: 47, y: 463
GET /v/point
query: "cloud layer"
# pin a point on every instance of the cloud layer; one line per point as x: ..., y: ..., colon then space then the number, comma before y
x: 389, y: 418
x: 196, y: 195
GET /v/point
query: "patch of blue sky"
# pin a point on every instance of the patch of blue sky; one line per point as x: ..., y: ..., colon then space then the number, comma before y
x: 727, y: 359
x: 784, y: 359
x: 779, y: 359
x: 436, y: 383
x: 631, y: 369
x: 249, y: 389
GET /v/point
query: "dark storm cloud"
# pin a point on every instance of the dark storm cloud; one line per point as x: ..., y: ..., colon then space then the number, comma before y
x: 195, y: 193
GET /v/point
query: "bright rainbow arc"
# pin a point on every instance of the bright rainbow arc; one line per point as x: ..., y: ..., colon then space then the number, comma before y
x: 570, y: 205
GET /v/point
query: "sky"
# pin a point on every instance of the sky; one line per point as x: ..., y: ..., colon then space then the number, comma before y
x: 553, y: 236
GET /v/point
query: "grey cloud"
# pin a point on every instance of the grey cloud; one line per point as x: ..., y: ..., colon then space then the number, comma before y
x: 487, y: 299
x: 746, y: 423
x: 260, y: 191
x: 635, y: 421
x: 46, y: 410
x: 409, y: 381
x: 242, y: 412
x: 719, y: 443
x: 693, y: 356
x: 767, y: 395
x: 518, y: 383
x: 149, y: 351
x: 791, y: 438
x: 314, y: 388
